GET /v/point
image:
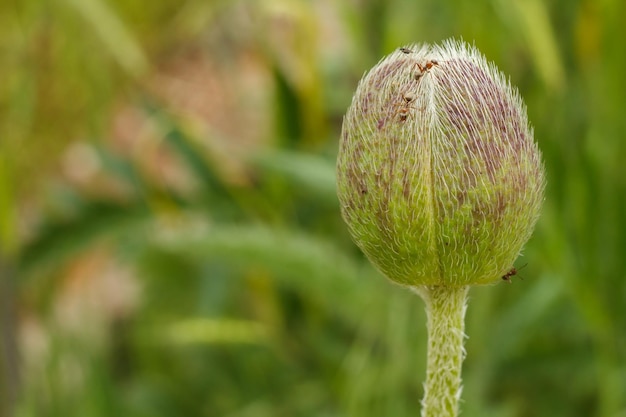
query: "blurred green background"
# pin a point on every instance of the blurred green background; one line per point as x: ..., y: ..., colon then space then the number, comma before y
x: 170, y: 239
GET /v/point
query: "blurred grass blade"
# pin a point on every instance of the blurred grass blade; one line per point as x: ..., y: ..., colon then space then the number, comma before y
x: 184, y: 146
x: 213, y: 330
x: 535, y: 25
x: 10, y: 384
x: 121, y: 168
x: 58, y: 241
x: 517, y: 321
x: 8, y: 238
x: 113, y: 33
x: 288, y: 120
x: 306, y: 172
x: 309, y: 265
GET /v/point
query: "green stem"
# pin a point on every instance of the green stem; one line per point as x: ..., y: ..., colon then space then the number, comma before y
x: 445, y: 308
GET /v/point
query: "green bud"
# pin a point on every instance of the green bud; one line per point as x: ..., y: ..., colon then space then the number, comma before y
x: 439, y: 179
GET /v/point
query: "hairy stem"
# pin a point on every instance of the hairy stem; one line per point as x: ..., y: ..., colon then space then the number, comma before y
x: 445, y: 308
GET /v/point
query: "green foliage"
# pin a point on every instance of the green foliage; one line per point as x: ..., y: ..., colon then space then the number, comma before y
x: 252, y: 300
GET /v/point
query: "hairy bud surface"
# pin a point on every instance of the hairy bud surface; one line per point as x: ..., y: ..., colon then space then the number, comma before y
x: 439, y: 179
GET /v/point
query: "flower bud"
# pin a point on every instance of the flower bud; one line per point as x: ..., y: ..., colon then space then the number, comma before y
x: 439, y: 179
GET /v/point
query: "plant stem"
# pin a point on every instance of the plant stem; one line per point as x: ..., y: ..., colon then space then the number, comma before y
x: 445, y: 308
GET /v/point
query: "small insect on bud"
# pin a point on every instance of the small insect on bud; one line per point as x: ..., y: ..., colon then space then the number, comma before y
x: 441, y: 142
x: 511, y: 273
x: 408, y: 97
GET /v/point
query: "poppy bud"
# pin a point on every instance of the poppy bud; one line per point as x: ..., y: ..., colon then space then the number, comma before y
x: 439, y: 178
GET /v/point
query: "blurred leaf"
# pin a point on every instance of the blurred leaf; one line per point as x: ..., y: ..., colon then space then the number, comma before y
x: 225, y: 200
x: 113, y: 33
x: 59, y: 241
x: 211, y: 331
x: 193, y: 156
x: 308, y: 174
x: 517, y: 320
x: 121, y: 168
x: 312, y: 266
x: 288, y: 109
x: 532, y: 20
x: 8, y: 238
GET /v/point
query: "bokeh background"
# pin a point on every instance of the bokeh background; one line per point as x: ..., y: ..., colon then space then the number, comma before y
x: 170, y: 239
